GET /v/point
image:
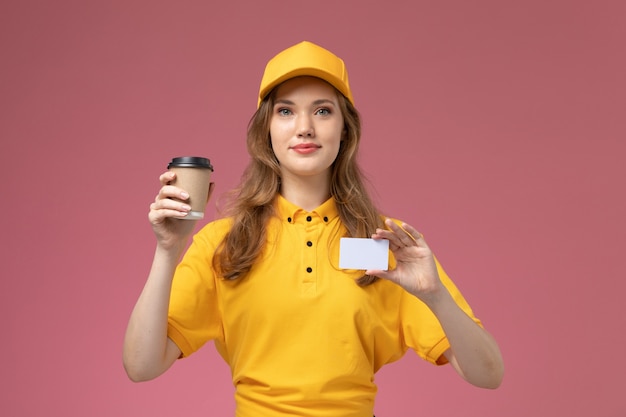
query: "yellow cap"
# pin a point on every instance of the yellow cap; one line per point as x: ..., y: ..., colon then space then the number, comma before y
x: 305, y: 58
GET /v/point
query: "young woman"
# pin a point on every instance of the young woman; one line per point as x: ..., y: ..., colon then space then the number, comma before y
x: 301, y: 335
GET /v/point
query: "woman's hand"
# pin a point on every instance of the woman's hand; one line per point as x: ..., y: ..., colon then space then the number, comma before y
x: 148, y: 351
x: 415, y: 269
x: 473, y: 353
x: 166, y: 212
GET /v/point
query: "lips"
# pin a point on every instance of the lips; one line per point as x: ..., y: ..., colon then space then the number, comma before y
x: 305, y: 146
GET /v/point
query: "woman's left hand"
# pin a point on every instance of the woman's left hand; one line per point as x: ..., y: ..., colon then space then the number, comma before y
x: 416, y: 270
x: 474, y: 354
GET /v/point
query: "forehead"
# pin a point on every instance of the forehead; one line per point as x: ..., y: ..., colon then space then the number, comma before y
x: 306, y: 86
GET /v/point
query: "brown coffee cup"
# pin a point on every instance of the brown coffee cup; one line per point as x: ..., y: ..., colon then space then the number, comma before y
x: 193, y: 175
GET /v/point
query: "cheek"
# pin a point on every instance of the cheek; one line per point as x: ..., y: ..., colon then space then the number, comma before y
x: 279, y: 132
x: 275, y: 140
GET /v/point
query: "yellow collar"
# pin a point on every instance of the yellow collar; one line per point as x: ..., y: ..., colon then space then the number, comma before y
x: 291, y: 213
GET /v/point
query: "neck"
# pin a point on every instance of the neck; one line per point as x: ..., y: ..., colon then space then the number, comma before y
x: 306, y: 192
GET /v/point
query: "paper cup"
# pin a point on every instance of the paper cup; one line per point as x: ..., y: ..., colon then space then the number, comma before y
x: 193, y: 175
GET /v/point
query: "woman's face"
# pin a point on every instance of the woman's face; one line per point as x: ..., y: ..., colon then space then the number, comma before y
x: 306, y: 127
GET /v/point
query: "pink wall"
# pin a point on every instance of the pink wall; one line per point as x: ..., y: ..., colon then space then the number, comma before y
x: 496, y: 127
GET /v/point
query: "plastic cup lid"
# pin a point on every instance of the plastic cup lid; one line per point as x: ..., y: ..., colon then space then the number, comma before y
x: 190, y: 162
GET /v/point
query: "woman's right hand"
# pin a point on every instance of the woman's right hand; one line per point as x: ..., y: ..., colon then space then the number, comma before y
x: 166, y: 212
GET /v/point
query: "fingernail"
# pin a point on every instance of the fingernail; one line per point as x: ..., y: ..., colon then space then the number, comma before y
x: 184, y: 195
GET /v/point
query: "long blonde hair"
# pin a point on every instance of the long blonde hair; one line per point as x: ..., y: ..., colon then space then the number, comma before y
x: 251, y: 203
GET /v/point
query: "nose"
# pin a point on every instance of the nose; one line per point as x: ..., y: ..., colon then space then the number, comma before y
x: 305, y: 127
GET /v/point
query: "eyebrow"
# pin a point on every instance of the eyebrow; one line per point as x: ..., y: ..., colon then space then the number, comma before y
x: 315, y: 103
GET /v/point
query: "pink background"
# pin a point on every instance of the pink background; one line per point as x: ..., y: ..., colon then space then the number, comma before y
x: 496, y: 127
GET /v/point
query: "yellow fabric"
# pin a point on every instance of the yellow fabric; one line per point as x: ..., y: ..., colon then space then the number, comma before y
x: 300, y: 343
x: 305, y: 58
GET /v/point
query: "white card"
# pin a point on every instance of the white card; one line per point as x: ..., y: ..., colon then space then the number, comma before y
x: 361, y: 253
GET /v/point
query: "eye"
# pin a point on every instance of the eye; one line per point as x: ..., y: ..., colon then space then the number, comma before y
x: 323, y: 112
x: 284, y: 112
